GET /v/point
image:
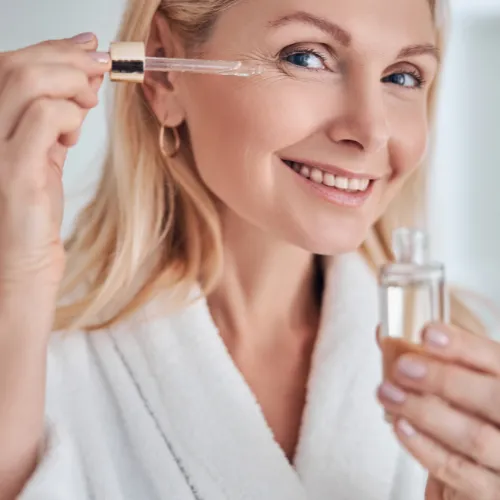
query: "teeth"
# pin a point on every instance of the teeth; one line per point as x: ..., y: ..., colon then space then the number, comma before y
x: 341, y: 182
x: 319, y: 177
x: 363, y: 184
x: 329, y: 180
x: 354, y: 184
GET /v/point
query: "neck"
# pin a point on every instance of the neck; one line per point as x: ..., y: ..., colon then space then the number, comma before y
x: 268, y: 287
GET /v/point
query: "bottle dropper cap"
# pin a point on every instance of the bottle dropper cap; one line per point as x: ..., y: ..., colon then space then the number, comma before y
x: 128, y: 62
x: 410, y: 246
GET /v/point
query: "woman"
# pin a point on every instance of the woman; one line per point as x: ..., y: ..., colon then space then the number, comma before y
x: 204, y: 350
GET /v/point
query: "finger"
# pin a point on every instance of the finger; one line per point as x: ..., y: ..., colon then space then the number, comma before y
x: 80, y: 56
x: 71, y: 139
x: 95, y: 83
x: 434, y: 489
x: 475, y: 392
x: 453, y: 344
x: 457, y: 472
x: 40, y: 127
x: 50, y: 80
x: 458, y: 431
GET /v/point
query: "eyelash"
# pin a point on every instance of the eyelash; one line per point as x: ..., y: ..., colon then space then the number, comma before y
x: 419, y: 79
x: 305, y: 50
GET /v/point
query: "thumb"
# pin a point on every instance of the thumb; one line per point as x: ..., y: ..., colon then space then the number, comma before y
x: 434, y: 490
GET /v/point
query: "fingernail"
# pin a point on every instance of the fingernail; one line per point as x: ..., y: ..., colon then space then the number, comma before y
x: 436, y: 338
x: 392, y: 393
x: 405, y: 428
x: 83, y: 38
x: 100, y: 57
x: 411, y: 369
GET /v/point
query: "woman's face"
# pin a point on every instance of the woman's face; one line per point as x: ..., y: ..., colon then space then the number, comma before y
x: 312, y: 150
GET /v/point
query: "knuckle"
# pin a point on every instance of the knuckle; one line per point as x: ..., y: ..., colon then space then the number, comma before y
x: 43, y: 110
x: 459, y: 472
x: 453, y: 469
x: 426, y: 409
x: 82, y: 81
x: 8, y: 62
x: 478, y: 440
x: 75, y: 117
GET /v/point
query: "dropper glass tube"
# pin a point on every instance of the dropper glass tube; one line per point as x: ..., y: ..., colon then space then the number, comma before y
x: 129, y: 64
x: 236, y: 68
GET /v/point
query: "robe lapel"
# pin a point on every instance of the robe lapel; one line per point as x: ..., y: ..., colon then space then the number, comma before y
x: 346, y: 451
x: 204, y: 408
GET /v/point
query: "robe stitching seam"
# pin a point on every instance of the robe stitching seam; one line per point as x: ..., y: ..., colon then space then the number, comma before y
x: 167, y: 442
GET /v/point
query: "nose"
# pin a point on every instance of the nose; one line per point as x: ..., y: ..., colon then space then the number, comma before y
x: 363, y: 120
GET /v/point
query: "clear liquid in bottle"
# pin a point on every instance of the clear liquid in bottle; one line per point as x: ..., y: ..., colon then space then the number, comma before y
x: 412, y: 294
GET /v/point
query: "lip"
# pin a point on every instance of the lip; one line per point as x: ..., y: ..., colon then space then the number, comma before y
x: 332, y: 169
x: 338, y: 197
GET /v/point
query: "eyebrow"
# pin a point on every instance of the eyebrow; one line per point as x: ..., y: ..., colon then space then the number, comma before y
x: 331, y: 29
x: 345, y: 38
x: 418, y: 50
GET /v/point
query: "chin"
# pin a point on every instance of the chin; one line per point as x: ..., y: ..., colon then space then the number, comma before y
x: 338, y: 239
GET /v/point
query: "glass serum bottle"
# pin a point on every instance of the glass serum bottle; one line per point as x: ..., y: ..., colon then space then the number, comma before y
x: 412, y: 294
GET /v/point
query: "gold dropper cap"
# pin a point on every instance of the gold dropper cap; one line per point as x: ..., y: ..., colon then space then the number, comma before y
x: 128, y: 61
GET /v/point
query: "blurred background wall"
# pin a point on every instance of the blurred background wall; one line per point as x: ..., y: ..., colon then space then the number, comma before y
x: 465, y: 199
x: 465, y: 196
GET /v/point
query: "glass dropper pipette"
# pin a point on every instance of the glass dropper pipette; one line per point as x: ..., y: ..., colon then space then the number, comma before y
x: 236, y: 68
x: 129, y: 63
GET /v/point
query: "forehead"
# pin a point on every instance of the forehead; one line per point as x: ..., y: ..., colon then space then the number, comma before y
x: 371, y: 23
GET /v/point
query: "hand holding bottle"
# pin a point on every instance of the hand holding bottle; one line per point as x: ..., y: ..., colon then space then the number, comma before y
x: 445, y: 403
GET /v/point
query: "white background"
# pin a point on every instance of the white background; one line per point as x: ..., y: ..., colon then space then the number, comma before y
x: 465, y: 201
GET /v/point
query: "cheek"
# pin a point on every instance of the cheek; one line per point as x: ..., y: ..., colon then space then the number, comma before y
x: 407, y: 150
x: 237, y: 125
x: 409, y: 140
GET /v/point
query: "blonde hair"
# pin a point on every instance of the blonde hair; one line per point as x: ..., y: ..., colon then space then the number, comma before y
x: 152, y: 223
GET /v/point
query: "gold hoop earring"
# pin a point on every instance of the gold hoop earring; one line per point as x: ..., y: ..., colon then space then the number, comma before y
x: 177, y: 142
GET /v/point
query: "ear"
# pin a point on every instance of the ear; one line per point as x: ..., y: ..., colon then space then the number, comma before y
x: 159, y: 87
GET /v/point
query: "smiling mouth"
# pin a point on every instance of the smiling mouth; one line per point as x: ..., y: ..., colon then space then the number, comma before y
x: 322, y: 177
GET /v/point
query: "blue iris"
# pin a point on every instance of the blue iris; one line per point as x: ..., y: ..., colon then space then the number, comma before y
x: 305, y: 59
x: 402, y: 79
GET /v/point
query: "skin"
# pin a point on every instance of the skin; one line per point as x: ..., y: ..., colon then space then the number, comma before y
x: 344, y: 110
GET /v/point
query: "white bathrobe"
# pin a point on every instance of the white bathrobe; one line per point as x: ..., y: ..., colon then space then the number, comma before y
x: 155, y: 409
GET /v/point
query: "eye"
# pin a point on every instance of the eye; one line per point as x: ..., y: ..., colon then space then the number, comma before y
x: 407, y: 79
x: 305, y: 58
